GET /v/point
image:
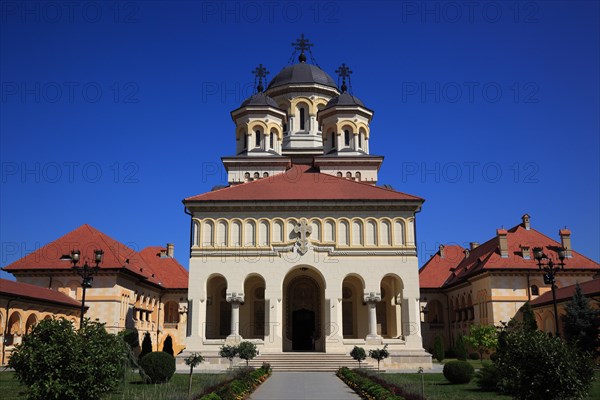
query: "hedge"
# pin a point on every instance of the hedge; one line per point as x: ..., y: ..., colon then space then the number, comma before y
x: 244, y: 383
x: 373, y: 387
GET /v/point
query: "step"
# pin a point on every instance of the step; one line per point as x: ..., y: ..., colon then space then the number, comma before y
x: 293, y: 362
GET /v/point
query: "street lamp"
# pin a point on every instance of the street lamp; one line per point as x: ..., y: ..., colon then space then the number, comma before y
x: 86, y: 272
x: 550, y: 268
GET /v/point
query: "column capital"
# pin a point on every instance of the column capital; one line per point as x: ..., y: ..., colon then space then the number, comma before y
x: 235, y: 297
x: 372, y: 297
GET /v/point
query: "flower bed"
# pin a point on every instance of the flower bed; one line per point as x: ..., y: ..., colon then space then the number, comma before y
x: 373, y: 388
x: 244, y: 383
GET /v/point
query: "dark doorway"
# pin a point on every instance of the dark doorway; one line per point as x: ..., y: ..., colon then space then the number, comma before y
x: 303, y: 327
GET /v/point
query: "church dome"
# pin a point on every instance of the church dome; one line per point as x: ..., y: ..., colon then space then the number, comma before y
x: 344, y: 99
x: 260, y: 99
x: 302, y: 73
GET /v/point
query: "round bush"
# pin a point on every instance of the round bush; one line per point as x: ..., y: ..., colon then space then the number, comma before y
x: 474, y: 356
x: 158, y: 366
x: 458, y: 372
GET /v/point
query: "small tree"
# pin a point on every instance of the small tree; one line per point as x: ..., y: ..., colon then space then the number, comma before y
x: 168, y: 346
x: 438, y: 348
x: 582, y: 323
x: 460, y: 349
x: 146, y: 345
x: 358, y: 354
x: 228, y: 352
x: 247, y: 351
x: 482, y: 338
x: 379, y: 355
x: 533, y: 366
x: 529, y: 322
x: 57, y: 361
x: 193, y: 360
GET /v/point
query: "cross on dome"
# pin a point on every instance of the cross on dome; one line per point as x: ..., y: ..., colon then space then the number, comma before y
x: 302, y: 44
x: 259, y: 73
x: 343, y: 72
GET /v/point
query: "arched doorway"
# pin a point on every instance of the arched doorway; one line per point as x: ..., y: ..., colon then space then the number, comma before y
x: 218, y: 310
x: 303, y: 311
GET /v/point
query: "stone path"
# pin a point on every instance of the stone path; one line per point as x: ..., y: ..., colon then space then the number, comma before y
x: 304, y: 386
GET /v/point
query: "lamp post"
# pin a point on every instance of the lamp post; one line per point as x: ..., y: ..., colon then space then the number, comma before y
x: 86, y: 272
x: 550, y: 268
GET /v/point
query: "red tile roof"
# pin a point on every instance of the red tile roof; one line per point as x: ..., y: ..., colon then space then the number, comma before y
x: 436, y: 270
x: 33, y: 292
x: 116, y: 256
x: 302, y: 182
x: 486, y: 257
x: 589, y: 289
x: 165, y: 270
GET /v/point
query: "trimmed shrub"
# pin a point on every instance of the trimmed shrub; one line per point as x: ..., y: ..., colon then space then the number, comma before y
x: 487, y: 377
x: 438, y: 351
x: 358, y: 354
x: 368, y: 387
x: 458, y: 372
x: 247, y: 351
x: 474, y: 356
x: 210, y: 396
x: 158, y: 366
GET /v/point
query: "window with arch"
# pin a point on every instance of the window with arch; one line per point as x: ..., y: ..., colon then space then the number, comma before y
x: 333, y: 140
x: 246, y: 176
x: 349, y: 175
x: 195, y: 233
x: 360, y: 140
x: 357, y: 175
x: 171, y: 313
x: 256, y: 175
x: 339, y: 174
x: 244, y: 140
x: 302, y: 113
x: 271, y: 139
x: 347, y: 138
x: 257, y: 138
x: 535, y: 290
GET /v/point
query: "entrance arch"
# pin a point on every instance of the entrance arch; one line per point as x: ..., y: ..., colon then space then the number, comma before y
x: 303, y: 309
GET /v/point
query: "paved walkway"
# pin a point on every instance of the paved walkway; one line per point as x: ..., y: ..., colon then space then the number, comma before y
x: 304, y: 386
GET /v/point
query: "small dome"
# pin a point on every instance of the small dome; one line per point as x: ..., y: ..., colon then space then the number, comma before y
x: 260, y: 99
x: 302, y: 73
x: 344, y: 99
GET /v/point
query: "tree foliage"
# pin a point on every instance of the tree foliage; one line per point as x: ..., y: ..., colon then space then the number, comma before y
x: 529, y: 322
x: 228, y: 352
x: 146, y: 345
x: 482, y: 338
x: 533, y: 366
x: 158, y: 367
x: 358, y: 354
x: 460, y: 349
x: 168, y: 345
x: 581, y: 323
x: 247, y: 351
x: 379, y: 355
x: 438, y: 349
x: 56, y: 361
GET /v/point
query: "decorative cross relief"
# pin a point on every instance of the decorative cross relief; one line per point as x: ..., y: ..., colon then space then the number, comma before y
x: 303, y: 229
x: 233, y: 297
x: 372, y: 297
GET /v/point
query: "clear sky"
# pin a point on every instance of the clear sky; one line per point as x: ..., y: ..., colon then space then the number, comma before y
x: 113, y: 112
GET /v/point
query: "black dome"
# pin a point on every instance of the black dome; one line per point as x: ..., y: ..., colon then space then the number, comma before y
x: 260, y: 99
x: 344, y: 99
x: 302, y: 73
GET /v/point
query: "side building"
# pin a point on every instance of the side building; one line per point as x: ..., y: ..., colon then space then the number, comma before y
x: 488, y: 283
x: 145, y: 290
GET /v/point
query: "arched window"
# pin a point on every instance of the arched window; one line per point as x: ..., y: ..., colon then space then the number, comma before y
x: 347, y: 137
x: 171, y: 313
x: 535, y: 291
x: 333, y: 140
x: 256, y: 175
x: 360, y: 140
x: 339, y: 174
x: 245, y: 139
x: 271, y: 140
x: 349, y: 175
x: 257, y: 139
x: 357, y: 175
x: 246, y: 176
x: 302, y: 115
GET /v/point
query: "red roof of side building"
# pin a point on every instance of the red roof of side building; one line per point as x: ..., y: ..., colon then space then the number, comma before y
x: 302, y: 182
x: 589, y: 288
x: 33, y: 292
x: 166, y: 273
x: 436, y: 270
x: 487, y: 257
x: 165, y: 270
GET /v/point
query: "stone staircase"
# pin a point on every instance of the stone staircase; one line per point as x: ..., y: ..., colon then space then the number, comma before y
x: 306, y: 362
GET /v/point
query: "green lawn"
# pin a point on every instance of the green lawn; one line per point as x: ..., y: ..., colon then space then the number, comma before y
x: 438, y: 388
x: 133, y: 388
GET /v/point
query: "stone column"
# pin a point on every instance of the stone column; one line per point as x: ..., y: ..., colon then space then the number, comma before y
x: 372, y: 298
x: 235, y: 299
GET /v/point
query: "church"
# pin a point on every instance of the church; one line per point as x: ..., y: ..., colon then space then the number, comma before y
x: 303, y: 251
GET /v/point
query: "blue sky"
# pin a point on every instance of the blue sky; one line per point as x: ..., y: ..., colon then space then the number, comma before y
x: 113, y: 112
